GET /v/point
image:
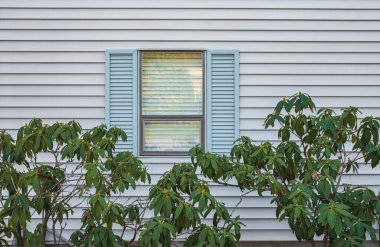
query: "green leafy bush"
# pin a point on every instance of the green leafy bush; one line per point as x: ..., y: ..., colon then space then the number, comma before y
x: 181, y: 199
x: 304, y: 172
x: 84, y: 165
x: 81, y: 164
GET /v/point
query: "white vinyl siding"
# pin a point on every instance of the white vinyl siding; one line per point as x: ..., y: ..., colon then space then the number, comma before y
x: 52, y: 66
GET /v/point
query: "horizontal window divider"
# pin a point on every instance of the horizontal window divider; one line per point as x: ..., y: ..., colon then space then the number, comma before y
x: 166, y: 153
x: 171, y: 118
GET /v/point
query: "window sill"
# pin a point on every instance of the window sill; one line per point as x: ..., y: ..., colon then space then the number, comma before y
x: 163, y: 159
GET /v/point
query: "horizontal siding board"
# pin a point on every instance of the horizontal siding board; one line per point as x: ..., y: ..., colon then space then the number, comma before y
x: 254, y: 224
x: 245, y: 58
x: 181, y: 35
x: 50, y: 101
x: 257, y: 69
x: 52, y: 79
x: 262, y: 135
x: 249, y: 215
x: 274, y: 46
x: 188, y: 13
x: 311, y: 80
x: 158, y: 165
x: 17, y: 123
x: 221, y: 191
x: 247, y: 235
x: 251, y: 25
x: 51, y: 112
x: 315, y: 91
x: 309, y: 58
x: 51, y: 68
x: 337, y: 102
x: 51, y: 57
x: 261, y: 112
x: 247, y: 202
x: 42, y: 90
x: 275, y: 4
x: 247, y: 124
x: 313, y: 69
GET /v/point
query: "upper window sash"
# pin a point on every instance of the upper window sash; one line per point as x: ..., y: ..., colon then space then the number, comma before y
x: 171, y: 83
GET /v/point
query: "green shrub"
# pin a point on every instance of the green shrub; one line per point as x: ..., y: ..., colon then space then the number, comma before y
x: 83, y: 165
x: 304, y: 172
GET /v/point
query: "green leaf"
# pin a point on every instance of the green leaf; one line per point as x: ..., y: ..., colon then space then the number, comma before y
x: 366, y: 137
x: 202, y: 203
x: 338, y: 226
x: 297, y: 213
x: 167, y: 207
x: 367, y: 196
x: 279, y: 106
x: 285, y: 134
x: 211, y: 240
x: 351, y: 120
x: 170, y: 228
x: 375, y: 133
x: 189, y: 213
x: 156, y: 235
x: 36, y: 184
x: 331, y: 218
x: 37, y: 143
x: 214, y: 164
x: 202, y: 236
x: 377, y: 206
x: 178, y: 211
x: 371, y: 231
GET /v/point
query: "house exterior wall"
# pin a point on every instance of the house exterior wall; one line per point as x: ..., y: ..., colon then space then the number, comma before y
x: 52, y: 66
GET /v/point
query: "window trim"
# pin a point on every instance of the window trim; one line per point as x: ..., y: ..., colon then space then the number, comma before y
x: 141, y: 118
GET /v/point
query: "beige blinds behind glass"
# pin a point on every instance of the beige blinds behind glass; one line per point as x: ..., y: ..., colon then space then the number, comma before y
x: 171, y: 135
x: 172, y: 83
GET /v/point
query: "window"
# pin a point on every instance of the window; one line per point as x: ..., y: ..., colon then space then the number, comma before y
x: 171, y: 101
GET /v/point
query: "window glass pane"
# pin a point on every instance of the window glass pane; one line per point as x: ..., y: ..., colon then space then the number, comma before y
x: 172, y: 136
x: 172, y: 83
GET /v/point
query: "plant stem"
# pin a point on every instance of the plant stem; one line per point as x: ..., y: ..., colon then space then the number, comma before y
x: 45, y: 220
x: 312, y: 243
x: 325, y: 238
x: 54, y: 235
x: 19, y: 237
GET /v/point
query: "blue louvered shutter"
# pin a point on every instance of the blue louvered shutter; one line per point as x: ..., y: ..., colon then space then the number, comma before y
x: 222, y: 100
x: 121, y: 95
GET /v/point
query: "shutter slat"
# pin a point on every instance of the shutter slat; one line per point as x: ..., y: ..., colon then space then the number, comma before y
x: 121, y: 95
x: 222, y: 100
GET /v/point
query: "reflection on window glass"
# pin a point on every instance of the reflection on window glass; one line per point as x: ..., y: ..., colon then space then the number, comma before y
x: 171, y: 83
x: 174, y: 136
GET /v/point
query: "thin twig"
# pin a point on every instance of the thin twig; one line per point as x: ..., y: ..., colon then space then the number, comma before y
x: 240, y: 200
